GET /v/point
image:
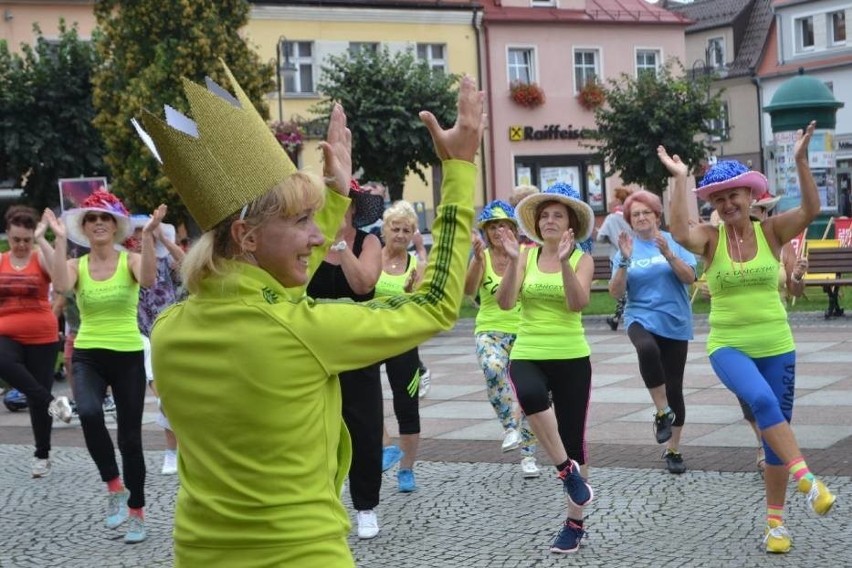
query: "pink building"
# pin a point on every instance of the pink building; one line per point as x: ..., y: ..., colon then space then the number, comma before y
x: 562, y: 45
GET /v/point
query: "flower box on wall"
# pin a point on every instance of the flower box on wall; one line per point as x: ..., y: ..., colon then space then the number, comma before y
x: 592, y: 95
x: 528, y: 95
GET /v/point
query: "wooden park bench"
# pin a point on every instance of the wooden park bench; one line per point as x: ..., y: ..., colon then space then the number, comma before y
x: 602, y: 274
x: 830, y: 268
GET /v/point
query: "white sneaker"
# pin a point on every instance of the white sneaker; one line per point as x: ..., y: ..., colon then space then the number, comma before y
x: 169, y: 462
x: 425, y: 382
x: 529, y: 467
x: 41, y: 468
x: 60, y: 408
x: 511, y: 440
x: 368, y: 524
x: 109, y: 404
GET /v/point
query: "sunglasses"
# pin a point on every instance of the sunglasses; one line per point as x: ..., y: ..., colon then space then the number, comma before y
x: 93, y: 217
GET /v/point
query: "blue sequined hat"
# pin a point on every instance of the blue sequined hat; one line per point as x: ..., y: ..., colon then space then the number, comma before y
x: 563, y: 193
x: 731, y: 174
x: 495, y: 211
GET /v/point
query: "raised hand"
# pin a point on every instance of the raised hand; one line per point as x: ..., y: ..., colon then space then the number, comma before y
x: 566, y: 245
x: 625, y: 244
x: 478, y: 246
x: 56, y: 225
x: 672, y: 163
x: 803, y: 139
x: 337, y: 152
x: 509, y: 242
x: 461, y: 142
x: 41, y: 228
x: 663, y: 245
x: 155, y: 220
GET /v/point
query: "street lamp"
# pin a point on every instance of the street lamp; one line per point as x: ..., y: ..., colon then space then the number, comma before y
x: 288, y: 69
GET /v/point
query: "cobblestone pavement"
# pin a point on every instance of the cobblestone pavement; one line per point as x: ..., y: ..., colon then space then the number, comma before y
x: 463, y: 515
x: 473, y: 508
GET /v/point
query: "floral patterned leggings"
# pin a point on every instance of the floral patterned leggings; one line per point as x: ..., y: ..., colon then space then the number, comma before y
x: 492, y: 352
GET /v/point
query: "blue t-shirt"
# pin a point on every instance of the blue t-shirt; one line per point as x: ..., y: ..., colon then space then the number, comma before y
x: 656, y: 299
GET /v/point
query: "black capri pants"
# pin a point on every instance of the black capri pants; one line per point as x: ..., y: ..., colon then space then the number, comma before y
x: 568, y: 383
x: 404, y: 378
x: 661, y: 362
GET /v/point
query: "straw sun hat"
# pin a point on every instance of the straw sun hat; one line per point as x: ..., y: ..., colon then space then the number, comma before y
x: 561, y: 193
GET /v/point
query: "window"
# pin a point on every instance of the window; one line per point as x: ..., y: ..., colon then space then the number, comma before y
x: 715, y: 55
x: 837, y: 27
x: 300, y: 77
x: 804, y: 30
x: 356, y: 47
x: 585, y: 67
x: 721, y: 127
x: 521, y: 65
x: 542, y: 3
x: 646, y: 62
x: 434, y: 54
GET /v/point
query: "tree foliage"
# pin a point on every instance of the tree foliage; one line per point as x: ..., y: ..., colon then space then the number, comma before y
x: 46, y: 112
x: 147, y: 46
x: 643, y: 113
x: 382, y: 94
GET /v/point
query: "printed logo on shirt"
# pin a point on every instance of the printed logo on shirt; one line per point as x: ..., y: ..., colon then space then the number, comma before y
x: 270, y: 296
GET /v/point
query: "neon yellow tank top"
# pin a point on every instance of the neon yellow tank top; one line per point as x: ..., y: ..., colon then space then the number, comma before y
x: 108, y: 309
x: 490, y: 317
x: 394, y: 284
x: 547, y: 329
x: 746, y: 312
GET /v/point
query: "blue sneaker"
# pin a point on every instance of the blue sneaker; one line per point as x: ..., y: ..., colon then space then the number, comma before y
x: 391, y: 456
x: 568, y: 539
x: 405, y: 477
x: 116, y: 509
x: 579, y: 492
x: 135, y: 531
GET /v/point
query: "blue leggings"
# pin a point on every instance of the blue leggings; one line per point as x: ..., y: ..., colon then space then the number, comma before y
x: 766, y: 384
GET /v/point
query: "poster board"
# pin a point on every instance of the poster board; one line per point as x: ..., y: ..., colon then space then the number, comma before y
x: 73, y: 191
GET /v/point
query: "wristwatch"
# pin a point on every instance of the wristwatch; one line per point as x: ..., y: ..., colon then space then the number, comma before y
x: 338, y: 247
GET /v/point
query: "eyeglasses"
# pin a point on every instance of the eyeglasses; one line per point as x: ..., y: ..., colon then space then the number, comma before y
x: 93, y: 217
x: 637, y: 214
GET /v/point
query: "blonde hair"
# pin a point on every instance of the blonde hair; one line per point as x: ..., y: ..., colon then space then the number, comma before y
x: 521, y: 191
x: 207, y: 255
x: 400, y: 211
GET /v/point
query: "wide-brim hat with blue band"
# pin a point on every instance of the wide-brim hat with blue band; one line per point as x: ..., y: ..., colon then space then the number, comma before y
x: 563, y: 193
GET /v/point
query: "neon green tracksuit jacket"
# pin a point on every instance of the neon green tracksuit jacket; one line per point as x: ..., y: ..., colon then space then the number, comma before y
x: 247, y: 373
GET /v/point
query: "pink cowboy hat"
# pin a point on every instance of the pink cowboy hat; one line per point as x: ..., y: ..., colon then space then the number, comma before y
x: 731, y: 174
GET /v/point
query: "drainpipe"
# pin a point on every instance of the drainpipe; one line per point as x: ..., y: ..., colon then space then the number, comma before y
x: 757, y: 86
x: 489, y: 93
x: 476, y: 22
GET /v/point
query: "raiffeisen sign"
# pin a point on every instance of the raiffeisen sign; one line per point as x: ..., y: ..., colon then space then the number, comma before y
x: 549, y: 132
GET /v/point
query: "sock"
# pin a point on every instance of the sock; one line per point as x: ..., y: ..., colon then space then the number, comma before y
x: 562, y: 466
x: 137, y: 513
x: 799, y: 469
x: 774, y: 513
x: 570, y: 521
x: 666, y: 410
x: 115, y: 485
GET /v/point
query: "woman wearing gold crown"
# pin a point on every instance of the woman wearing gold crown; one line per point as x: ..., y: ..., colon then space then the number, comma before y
x: 247, y: 366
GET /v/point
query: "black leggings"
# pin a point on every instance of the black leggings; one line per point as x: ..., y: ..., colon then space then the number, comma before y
x: 403, y: 376
x: 363, y: 413
x: 29, y: 368
x: 94, y: 371
x: 569, y: 383
x: 662, y: 361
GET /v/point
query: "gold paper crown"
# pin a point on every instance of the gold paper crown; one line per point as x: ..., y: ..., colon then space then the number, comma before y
x: 224, y: 159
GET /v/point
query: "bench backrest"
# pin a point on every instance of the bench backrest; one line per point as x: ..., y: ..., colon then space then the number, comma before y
x: 603, y: 268
x: 831, y: 261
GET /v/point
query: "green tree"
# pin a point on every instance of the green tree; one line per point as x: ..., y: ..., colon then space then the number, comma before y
x: 382, y: 94
x: 643, y: 113
x: 46, y: 115
x: 146, y: 47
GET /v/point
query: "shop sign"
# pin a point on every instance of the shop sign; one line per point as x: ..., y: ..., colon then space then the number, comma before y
x: 549, y: 132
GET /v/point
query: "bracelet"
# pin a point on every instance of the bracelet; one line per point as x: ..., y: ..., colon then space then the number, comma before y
x: 338, y: 247
x: 625, y: 263
x: 799, y: 279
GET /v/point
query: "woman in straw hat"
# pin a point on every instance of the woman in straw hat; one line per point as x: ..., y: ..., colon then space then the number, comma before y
x: 496, y: 329
x: 550, y: 358
x: 108, y: 348
x: 750, y: 342
x: 654, y: 273
x: 247, y: 366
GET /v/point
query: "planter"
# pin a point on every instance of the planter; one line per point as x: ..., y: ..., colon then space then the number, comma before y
x: 591, y: 96
x: 528, y: 95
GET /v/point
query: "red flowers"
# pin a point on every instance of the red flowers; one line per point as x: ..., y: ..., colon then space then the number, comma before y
x: 529, y: 95
x: 592, y: 95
